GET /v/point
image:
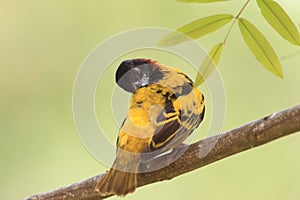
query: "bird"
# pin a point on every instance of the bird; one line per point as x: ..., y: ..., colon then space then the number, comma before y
x: 165, y: 108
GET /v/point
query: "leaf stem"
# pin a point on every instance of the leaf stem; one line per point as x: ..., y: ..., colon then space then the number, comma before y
x: 234, y: 21
x: 290, y: 55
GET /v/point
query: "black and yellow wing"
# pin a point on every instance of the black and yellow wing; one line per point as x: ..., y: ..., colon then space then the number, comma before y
x: 160, y: 118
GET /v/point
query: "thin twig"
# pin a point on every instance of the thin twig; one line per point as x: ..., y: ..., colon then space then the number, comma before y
x: 290, y: 55
x: 248, y: 136
x: 235, y: 20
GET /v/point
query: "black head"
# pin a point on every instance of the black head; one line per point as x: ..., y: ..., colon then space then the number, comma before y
x: 133, y: 74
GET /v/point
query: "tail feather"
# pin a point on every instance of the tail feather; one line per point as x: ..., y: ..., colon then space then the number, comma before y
x: 117, y: 182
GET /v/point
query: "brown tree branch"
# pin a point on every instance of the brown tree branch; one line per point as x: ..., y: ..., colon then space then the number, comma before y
x: 221, y: 146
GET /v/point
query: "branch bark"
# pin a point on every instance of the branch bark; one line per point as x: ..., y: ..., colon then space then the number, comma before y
x: 248, y: 136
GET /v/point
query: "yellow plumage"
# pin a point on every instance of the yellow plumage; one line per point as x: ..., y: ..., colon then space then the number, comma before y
x: 162, y: 114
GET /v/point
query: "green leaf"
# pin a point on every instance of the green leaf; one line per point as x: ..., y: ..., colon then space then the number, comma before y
x: 279, y: 20
x: 260, y: 47
x: 195, y: 29
x: 209, y: 64
x: 201, y: 1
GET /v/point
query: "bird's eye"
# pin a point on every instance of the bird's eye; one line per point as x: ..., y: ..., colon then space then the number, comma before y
x: 137, y: 71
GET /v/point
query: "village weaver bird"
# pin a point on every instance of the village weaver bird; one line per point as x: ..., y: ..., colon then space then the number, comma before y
x: 165, y: 109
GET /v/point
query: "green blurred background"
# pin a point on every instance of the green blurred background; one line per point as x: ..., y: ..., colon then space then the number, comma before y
x: 43, y: 44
